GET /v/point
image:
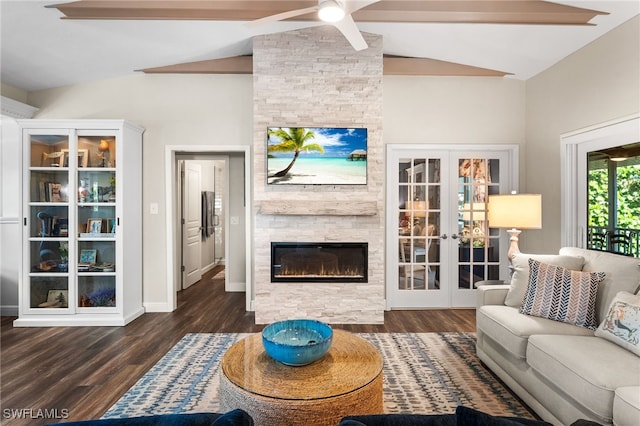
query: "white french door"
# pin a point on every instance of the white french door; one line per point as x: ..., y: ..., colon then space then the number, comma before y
x: 439, y: 243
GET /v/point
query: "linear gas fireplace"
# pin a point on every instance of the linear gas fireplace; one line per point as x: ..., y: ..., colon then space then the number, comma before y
x: 319, y: 262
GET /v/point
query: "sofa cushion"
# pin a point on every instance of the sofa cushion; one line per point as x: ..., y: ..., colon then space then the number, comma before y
x: 587, y: 369
x: 622, y: 323
x: 626, y: 405
x: 507, y: 326
x: 623, y: 274
x: 520, y: 278
x: 464, y: 416
x: 561, y: 294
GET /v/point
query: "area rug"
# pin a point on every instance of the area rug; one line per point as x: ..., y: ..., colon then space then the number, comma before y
x: 219, y: 275
x: 423, y: 373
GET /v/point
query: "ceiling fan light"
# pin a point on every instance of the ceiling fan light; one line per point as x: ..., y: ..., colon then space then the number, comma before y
x: 330, y: 11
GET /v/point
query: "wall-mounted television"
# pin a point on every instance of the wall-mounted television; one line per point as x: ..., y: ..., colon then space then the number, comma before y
x: 316, y: 156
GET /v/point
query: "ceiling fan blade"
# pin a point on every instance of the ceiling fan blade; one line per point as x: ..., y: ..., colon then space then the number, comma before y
x: 282, y: 16
x: 351, y: 32
x: 351, y: 6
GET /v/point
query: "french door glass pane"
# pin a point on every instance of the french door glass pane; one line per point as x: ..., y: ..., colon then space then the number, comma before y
x: 478, y: 247
x: 419, y: 217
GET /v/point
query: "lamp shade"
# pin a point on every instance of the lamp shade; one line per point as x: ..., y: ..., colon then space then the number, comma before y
x: 523, y: 211
x: 104, y: 145
x: 419, y: 208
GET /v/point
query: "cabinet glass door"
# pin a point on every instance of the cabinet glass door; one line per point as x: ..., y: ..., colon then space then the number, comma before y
x: 97, y: 223
x: 47, y: 223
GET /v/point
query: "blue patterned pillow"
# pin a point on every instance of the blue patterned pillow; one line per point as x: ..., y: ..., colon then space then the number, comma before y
x: 561, y: 294
x: 622, y: 324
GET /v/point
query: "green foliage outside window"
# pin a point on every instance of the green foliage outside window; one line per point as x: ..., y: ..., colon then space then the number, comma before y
x: 628, y: 197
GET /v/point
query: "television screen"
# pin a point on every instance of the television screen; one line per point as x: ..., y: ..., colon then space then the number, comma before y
x: 316, y: 156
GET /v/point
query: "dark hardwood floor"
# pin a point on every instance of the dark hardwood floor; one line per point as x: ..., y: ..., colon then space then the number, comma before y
x: 82, y: 371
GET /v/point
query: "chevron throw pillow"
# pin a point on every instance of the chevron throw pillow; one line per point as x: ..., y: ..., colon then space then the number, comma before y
x: 561, y: 294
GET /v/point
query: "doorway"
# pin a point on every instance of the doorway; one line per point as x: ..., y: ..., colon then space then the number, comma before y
x: 204, y: 193
x: 576, y: 147
x: 439, y: 244
x: 237, y: 251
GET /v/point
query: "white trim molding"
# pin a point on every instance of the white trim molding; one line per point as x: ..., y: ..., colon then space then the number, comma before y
x: 574, y: 147
x: 15, y: 109
x: 172, y: 271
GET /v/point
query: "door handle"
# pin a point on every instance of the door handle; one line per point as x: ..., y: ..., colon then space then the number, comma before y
x: 444, y: 236
x: 454, y: 236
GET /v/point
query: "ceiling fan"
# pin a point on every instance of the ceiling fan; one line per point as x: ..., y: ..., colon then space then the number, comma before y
x: 334, y: 12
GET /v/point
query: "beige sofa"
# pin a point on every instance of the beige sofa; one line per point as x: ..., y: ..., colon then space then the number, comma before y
x: 562, y: 371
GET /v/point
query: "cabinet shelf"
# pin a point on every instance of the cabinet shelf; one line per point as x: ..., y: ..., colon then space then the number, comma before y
x: 48, y: 203
x: 98, y: 204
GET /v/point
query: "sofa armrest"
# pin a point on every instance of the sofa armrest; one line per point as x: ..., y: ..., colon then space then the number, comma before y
x: 492, y: 294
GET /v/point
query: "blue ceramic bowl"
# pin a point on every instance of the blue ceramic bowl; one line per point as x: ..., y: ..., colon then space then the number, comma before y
x: 297, y: 342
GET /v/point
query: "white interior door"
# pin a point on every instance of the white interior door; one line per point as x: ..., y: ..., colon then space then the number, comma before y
x: 191, y: 225
x: 439, y: 243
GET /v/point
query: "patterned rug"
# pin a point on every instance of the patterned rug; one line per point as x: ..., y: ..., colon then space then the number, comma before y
x: 423, y: 373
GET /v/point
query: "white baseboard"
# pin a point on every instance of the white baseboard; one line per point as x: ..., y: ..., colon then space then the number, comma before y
x: 157, y: 307
x: 236, y: 286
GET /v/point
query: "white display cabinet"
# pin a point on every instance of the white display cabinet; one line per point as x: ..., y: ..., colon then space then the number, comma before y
x: 82, y: 220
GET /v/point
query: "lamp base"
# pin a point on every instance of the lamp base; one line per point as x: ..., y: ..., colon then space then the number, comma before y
x: 513, y: 247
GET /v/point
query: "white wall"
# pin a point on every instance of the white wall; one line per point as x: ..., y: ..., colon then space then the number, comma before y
x: 599, y: 83
x: 455, y: 110
x: 10, y: 224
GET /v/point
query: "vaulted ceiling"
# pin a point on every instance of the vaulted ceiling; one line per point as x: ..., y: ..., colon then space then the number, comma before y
x: 100, y: 39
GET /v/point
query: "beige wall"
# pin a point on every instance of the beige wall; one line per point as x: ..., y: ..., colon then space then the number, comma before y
x: 218, y: 109
x: 174, y: 110
x: 599, y: 83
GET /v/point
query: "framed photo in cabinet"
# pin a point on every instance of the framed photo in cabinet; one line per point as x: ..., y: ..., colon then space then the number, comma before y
x: 88, y: 256
x: 83, y: 158
x: 94, y: 226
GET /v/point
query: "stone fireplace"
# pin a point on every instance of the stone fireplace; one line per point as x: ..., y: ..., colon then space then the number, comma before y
x: 313, y: 78
x: 319, y: 262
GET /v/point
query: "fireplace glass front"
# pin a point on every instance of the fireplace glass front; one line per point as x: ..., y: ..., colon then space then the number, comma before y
x: 318, y: 262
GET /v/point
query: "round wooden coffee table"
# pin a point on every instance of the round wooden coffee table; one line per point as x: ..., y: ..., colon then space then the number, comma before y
x: 346, y: 381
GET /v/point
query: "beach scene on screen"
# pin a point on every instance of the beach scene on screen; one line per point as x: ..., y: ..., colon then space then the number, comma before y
x: 316, y: 156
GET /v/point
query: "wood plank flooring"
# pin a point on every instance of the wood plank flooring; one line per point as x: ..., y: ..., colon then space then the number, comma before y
x: 82, y: 371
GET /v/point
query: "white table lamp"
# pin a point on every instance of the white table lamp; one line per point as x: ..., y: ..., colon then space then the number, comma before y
x: 515, y: 211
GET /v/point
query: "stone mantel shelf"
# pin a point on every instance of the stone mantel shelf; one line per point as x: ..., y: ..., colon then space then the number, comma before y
x: 318, y: 208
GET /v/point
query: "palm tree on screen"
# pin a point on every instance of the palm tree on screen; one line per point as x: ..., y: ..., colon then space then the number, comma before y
x: 294, y: 140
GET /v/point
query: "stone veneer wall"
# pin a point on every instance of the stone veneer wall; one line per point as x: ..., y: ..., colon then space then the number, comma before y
x: 313, y: 78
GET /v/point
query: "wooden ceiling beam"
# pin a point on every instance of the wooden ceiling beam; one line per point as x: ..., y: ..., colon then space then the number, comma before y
x: 530, y: 12
x: 392, y: 65
x: 399, y: 65
x: 232, y: 65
